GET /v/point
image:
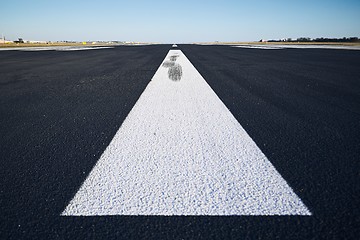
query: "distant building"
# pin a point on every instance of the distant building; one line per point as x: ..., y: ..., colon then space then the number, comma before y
x: 3, y: 40
x: 20, y: 40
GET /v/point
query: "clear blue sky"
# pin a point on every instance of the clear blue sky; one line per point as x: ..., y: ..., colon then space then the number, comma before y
x: 178, y: 21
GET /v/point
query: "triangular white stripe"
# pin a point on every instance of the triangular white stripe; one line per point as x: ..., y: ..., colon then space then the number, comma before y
x: 181, y: 152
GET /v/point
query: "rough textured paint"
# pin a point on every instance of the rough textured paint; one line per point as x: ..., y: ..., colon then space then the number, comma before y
x: 181, y: 152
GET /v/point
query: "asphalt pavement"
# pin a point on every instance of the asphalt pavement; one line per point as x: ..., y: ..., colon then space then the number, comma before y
x: 60, y: 110
x: 302, y: 108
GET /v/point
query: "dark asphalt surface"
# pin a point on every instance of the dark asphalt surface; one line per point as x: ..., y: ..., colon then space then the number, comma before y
x: 59, y: 111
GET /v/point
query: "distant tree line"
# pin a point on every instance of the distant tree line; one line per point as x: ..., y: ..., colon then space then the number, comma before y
x: 305, y: 39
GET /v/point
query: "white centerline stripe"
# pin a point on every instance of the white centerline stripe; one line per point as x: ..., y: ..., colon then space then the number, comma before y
x: 181, y: 152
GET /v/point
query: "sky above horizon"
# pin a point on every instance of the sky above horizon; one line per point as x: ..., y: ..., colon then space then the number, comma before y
x: 178, y: 21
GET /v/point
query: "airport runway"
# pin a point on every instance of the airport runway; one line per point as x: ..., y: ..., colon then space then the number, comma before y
x: 84, y: 156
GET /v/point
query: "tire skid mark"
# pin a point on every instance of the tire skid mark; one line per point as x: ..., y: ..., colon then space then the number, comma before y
x: 175, y: 70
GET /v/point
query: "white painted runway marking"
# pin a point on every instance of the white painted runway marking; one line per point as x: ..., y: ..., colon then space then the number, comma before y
x: 260, y: 46
x: 181, y: 152
x: 81, y: 48
x: 57, y: 48
x: 299, y: 46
